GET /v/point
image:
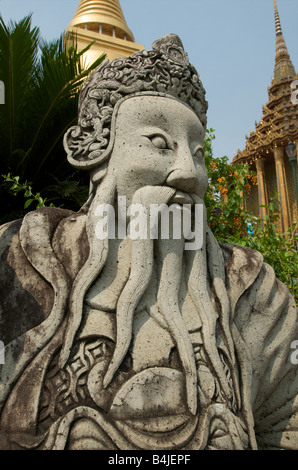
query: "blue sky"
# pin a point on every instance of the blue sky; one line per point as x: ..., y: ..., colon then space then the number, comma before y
x: 230, y: 42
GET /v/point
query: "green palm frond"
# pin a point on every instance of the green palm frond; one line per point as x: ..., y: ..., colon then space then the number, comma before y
x: 18, y: 59
x: 55, y: 97
x: 42, y: 82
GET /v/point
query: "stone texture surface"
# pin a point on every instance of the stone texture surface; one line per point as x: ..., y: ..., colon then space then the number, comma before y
x: 138, y: 343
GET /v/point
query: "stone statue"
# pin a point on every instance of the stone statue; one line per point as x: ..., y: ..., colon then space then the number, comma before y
x: 136, y: 342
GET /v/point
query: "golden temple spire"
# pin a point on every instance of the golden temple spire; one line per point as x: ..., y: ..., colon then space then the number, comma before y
x: 284, y: 68
x: 103, y: 16
x: 103, y: 22
x: 277, y: 20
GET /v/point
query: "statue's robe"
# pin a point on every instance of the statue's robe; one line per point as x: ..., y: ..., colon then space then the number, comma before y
x: 40, y: 258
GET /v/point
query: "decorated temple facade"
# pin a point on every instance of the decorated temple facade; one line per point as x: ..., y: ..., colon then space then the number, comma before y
x: 266, y: 147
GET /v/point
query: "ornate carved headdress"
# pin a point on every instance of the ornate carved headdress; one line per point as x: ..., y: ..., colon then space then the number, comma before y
x: 165, y: 70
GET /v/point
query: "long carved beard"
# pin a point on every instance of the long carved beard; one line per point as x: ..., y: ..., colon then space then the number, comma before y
x: 168, y: 256
x: 98, y: 252
x: 171, y: 258
x: 142, y: 259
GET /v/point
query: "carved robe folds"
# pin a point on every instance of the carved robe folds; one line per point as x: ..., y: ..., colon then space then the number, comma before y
x: 44, y: 406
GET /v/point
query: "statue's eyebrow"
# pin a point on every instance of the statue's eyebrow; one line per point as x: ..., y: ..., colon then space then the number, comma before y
x: 197, y: 129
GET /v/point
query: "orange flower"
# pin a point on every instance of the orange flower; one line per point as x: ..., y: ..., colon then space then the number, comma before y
x: 253, y: 178
x: 223, y: 191
x: 221, y: 180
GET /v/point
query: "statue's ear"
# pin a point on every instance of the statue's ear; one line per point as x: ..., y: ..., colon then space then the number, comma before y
x: 83, y: 152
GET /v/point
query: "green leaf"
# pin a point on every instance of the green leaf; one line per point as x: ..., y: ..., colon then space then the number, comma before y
x: 28, y: 202
x: 40, y: 203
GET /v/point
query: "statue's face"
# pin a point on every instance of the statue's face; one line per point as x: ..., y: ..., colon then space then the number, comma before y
x: 158, y: 142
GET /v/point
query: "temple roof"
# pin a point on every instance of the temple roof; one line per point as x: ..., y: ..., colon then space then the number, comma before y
x: 279, y: 121
x: 107, y: 13
x: 284, y: 68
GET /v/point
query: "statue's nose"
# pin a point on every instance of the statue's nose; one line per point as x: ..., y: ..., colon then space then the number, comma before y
x: 183, y: 173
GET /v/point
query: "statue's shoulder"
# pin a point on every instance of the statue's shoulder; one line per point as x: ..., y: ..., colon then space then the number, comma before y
x: 47, y: 245
x: 37, y: 226
x: 49, y: 217
x: 247, y: 273
x: 265, y: 318
x: 243, y: 265
x: 43, y: 234
x: 241, y: 256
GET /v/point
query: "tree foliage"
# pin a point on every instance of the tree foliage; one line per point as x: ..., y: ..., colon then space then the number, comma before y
x: 224, y: 198
x: 232, y: 223
x: 41, y: 81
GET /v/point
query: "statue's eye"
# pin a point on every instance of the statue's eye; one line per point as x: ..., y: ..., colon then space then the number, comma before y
x: 159, y: 142
x: 199, y: 154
